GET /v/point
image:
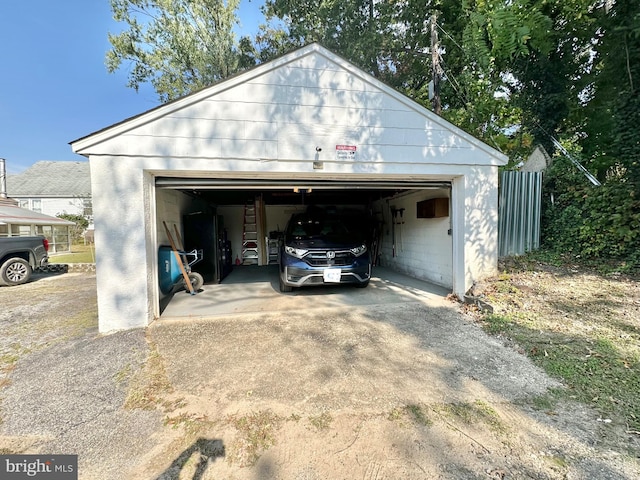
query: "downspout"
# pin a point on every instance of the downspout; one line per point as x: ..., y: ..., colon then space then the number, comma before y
x: 3, y: 179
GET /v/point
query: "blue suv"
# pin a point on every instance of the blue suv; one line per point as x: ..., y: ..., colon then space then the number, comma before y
x: 324, y: 248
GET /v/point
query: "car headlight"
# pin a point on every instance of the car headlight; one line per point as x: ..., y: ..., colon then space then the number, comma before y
x: 357, y: 251
x: 296, y: 252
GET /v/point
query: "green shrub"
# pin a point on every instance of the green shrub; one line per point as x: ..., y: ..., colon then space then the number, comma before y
x: 593, y: 222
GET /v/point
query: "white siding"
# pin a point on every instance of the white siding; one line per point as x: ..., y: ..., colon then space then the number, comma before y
x: 267, y: 124
x: 54, y: 206
x: 284, y: 114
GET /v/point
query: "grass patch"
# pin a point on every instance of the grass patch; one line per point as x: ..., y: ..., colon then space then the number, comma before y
x: 472, y: 413
x: 579, y: 326
x: 79, y: 254
x: 496, y: 324
x: 596, y: 370
x: 544, y: 403
x: 597, y: 373
x: 190, y: 423
x: 149, y: 385
x: 416, y: 413
x: 9, y: 359
x: 322, y: 421
x: 256, y: 434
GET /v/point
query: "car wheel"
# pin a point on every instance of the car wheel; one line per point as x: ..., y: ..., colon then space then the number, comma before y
x: 362, y: 284
x: 15, y: 271
x: 284, y: 287
x: 196, y: 281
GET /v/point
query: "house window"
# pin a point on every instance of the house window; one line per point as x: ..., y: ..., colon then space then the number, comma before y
x: 4, y: 230
x: 36, y: 205
x: 24, y: 204
x: 87, y: 207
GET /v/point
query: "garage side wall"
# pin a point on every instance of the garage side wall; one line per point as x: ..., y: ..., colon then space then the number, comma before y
x: 479, y: 223
x: 123, y: 202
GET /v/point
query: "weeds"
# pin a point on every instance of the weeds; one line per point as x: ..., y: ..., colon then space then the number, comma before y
x: 322, y: 421
x: 472, y: 413
x: 582, y: 329
x: 256, y: 434
x: 149, y: 384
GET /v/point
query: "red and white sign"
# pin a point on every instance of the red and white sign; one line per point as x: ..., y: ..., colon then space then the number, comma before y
x: 346, y: 152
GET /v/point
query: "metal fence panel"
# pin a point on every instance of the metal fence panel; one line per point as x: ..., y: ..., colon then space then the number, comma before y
x: 519, y: 212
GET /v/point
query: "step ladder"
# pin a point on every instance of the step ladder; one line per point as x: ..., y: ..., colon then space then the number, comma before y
x: 250, y: 235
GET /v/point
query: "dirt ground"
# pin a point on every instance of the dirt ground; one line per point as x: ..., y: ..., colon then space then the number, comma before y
x: 410, y: 390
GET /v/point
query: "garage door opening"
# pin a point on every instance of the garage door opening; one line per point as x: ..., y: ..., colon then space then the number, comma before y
x: 238, y: 224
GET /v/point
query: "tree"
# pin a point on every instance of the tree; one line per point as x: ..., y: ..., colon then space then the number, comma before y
x: 359, y: 30
x: 81, y: 224
x: 177, y: 45
x: 612, y: 112
x: 481, y: 42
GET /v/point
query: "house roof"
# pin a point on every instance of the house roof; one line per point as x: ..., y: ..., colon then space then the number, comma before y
x: 51, y: 179
x: 11, y: 214
x: 84, y: 145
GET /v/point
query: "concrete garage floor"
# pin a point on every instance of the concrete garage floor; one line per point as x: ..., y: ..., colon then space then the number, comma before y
x: 253, y: 289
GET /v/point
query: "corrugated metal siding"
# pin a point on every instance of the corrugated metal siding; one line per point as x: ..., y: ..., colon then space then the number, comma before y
x: 519, y: 212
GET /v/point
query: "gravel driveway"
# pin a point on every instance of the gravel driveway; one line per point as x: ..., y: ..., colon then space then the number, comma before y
x: 412, y: 389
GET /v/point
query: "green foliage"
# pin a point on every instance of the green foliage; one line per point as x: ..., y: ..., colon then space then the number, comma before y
x: 597, y: 373
x: 498, y: 32
x: 360, y: 30
x: 81, y: 224
x: 177, y: 45
x: 515, y: 73
x: 593, y: 222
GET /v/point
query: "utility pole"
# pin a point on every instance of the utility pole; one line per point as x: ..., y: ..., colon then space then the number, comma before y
x: 435, y: 61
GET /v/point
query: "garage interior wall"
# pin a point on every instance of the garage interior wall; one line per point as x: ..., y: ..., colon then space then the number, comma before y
x: 423, y: 246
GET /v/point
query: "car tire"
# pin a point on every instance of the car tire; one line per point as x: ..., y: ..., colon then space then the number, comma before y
x: 284, y: 287
x: 15, y: 271
x: 197, y: 281
x: 362, y: 284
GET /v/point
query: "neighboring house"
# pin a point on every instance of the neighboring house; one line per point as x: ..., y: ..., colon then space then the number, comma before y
x: 246, y: 152
x: 538, y: 161
x: 54, y: 188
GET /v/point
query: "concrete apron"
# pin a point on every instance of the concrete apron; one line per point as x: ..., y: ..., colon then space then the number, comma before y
x: 399, y: 341
x: 253, y: 289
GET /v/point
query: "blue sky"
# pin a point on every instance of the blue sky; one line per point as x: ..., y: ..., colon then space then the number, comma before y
x: 54, y: 86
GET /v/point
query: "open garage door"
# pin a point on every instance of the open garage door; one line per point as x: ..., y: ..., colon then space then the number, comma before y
x: 212, y: 214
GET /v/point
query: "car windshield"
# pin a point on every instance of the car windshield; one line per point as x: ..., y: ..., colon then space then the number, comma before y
x: 304, y: 226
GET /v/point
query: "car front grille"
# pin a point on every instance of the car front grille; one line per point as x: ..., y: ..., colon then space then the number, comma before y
x: 318, y: 258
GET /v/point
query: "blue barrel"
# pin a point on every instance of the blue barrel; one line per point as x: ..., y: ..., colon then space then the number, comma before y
x: 168, y: 269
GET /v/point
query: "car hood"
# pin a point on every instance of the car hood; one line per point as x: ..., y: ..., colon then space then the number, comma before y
x: 323, y: 243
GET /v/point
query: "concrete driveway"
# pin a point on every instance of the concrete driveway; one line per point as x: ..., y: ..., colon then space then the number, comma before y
x: 314, y: 371
x: 391, y: 381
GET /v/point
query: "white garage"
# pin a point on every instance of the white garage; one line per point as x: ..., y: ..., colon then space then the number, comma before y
x: 306, y: 129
